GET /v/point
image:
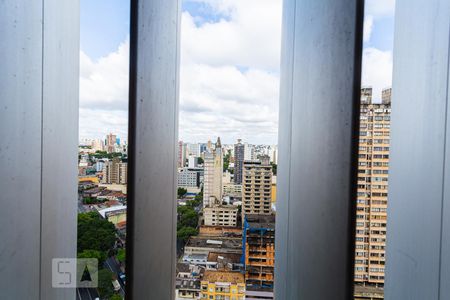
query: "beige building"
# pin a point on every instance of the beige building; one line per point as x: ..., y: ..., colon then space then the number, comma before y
x: 115, y: 172
x: 256, y: 188
x: 222, y: 285
x: 232, y: 190
x: 221, y: 215
x: 111, y: 140
x: 372, y: 194
x: 212, y: 180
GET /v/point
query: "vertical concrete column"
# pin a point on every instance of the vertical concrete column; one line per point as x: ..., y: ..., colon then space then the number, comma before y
x: 418, y: 228
x: 318, y: 136
x: 153, y: 121
x: 39, y: 71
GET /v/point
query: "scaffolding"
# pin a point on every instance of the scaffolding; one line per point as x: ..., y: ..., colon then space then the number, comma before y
x: 258, y: 248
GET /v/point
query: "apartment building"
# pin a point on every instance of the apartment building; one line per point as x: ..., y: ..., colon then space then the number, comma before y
x: 111, y: 140
x: 189, y: 177
x: 221, y: 285
x: 259, y: 250
x: 372, y: 194
x: 221, y: 215
x: 181, y: 154
x: 232, y: 190
x: 239, y: 152
x: 193, y: 150
x: 256, y: 188
x: 115, y: 172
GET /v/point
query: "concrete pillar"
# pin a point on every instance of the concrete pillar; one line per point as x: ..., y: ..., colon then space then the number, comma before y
x: 153, y: 122
x: 39, y: 73
x: 318, y: 136
x: 418, y: 228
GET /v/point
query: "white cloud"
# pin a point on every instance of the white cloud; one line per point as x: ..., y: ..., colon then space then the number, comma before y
x: 380, y: 8
x: 249, y: 36
x: 368, y: 26
x: 104, y: 94
x: 97, y: 123
x: 229, y: 75
x: 224, y: 101
x: 377, y: 70
x: 229, y: 72
x: 104, y: 83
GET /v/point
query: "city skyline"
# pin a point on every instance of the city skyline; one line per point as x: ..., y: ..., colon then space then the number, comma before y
x: 223, y: 80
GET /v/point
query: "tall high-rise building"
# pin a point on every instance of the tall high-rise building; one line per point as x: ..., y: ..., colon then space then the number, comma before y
x: 256, y: 188
x: 372, y: 194
x: 181, y: 154
x: 249, y: 152
x: 239, y: 151
x: 192, y: 162
x: 115, y: 172
x: 274, y: 154
x: 189, y: 177
x: 193, y: 150
x: 97, y: 145
x: 110, y: 144
x: 212, y: 186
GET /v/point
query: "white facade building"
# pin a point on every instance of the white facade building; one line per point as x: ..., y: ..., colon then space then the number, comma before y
x: 189, y: 177
x: 221, y: 215
x: 212, y: 193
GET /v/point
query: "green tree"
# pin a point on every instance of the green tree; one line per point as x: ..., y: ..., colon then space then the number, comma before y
x: 95, y: 233
x: 188, y: 217
x: 181, y: 192
x: 105, y: 287
x: 184, y: 233
x: 116, y: 297
x: 100, y: 255
x: 200, y: 161
x: 274, y: 168
x: 89, y: 200
x: 226, y: 161
x: 121, y: 255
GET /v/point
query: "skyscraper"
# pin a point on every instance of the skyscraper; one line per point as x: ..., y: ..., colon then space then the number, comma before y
x: 256, y: 188
x: 372, y: 194
x: 249, y: 152
x: 111, y: 140
x: 213, y: 164
x: 181, y: 154
x: 239, y: 150
x: 193, y: 150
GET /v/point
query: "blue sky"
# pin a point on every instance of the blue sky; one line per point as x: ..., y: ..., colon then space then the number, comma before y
x: 104, y: 25
x: 223, y: 78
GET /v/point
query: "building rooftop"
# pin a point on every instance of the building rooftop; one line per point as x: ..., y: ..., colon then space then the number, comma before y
x: 224, y: 258
x: 220, y: 231
x: 117, y: 208
x: 223, y: 207
x: 216, y: 242
x: 369, y: 292
x: 195, y: 258
x: 187, y: 284
x: 183, y: 268
x: 94, y: 190
x: 261, y: 221
x: 223, y: 276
